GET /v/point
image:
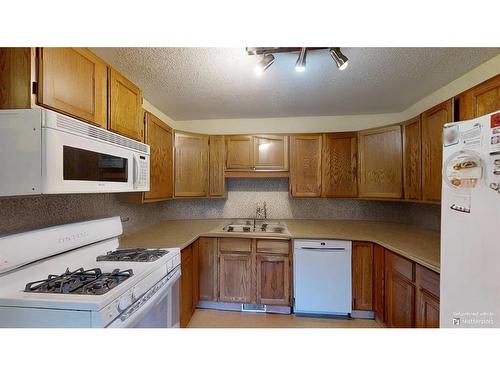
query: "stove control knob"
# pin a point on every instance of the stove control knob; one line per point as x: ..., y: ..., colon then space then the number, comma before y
x: 135, y: 293
x: 124, y: 302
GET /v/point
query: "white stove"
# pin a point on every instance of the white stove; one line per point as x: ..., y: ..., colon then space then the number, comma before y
x: 75, y: 276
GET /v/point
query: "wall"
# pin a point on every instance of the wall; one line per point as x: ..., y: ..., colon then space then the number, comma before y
x: 26, y: 213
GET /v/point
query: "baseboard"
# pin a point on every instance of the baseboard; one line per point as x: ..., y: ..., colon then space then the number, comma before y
x: 230, y: 306
x: 362, y: 314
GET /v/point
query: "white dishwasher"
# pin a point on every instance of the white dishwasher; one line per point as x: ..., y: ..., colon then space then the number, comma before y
x: 322, y: 277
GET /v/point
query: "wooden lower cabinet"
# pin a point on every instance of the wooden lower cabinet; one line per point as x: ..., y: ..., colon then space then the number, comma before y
x: 427, y: 310
x: 362, y: 276
x: 273, y: 279
x: 208, y: 269
x: 399, y: 301
x: 235, y: 277
x: 189, y: 291
x: 379, y: 283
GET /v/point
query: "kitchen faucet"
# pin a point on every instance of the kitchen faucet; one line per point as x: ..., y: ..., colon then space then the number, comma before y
x: 261, y: 211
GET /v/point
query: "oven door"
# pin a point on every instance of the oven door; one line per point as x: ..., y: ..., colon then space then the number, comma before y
x: 72, y: 163
x: 155, y: 309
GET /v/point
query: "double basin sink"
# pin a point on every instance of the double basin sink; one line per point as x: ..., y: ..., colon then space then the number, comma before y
x: 256, y: 226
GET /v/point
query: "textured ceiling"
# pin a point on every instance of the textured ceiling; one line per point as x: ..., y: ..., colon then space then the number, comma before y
x: 215, y: 83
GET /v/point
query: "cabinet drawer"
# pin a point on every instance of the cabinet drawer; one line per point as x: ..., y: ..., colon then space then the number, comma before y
x: 399, y: 264
x: 273, y: 246
x: 241, y: 245
x: 427, y: 279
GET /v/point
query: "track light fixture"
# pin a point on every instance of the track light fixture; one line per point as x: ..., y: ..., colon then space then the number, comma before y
x: 340, y: 59
x: 300, y: 65
x: 266, y: 62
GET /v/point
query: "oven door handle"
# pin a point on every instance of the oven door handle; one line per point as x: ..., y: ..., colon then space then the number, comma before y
x: 142, y: 306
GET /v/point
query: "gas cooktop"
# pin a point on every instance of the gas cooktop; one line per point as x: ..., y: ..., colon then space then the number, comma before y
x: 80, y: 281
x: 133, y: 255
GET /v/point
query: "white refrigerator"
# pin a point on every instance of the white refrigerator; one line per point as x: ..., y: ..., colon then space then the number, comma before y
x: 470, y: 224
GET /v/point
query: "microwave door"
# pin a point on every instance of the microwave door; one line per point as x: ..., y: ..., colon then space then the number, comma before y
x: 76, y: 164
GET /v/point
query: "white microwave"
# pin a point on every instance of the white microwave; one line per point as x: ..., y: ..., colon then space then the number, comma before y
x: 45, y: 152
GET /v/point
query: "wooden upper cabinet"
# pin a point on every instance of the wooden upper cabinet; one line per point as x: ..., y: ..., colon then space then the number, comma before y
x: 432, y: 149
x: 17, y: 73
x: 270, y: 152
x: 362, y: 276
x: 191, y: 165
x: 74, y: 81
x: 239, y: 152
x: 160, y: 139
x: 208, y: 269
x: 125, y: 106
x: 305, y: 165
x: 216, y: 159
x: 380, y: 163
x: 412, y: 159
x: 339, y: 178
x: 480, y: 100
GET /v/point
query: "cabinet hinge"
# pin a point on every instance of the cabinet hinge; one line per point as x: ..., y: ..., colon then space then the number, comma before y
x: 34, y: 88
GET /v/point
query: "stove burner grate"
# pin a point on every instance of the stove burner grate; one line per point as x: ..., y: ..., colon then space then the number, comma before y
x: 133, y: 255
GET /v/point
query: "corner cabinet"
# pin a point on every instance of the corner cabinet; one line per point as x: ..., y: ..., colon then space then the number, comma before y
x: 412, y: 159
x: 380, y: 163
x: 479, y: 100
x: 339, y: 165
x: 305, y: 165
x: 432, y: 149
x: 74, y: 81
x: 125, y: 106
x: 191, y: 165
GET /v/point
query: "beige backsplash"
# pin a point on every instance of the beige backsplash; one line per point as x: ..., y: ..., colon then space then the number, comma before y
x: 20, y: 214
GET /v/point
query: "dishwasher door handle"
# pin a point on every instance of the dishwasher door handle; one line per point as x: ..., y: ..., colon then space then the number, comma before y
x: 324, y: 249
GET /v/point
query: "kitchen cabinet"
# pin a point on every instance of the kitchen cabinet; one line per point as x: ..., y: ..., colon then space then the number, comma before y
x: 479, y: 100
x: 362, y: 276
x: 187, y: 305
x: 399, y: 292
x: 305, y: 165
x: 74, y: 81
x: 412, y: 159
x: 160, y: 139
x: 379, y: 282
x: 216, y: 160
x: 380, y: 163
x: 125, y: 106
x: 427, y: 299
x: 208, y: 269
x: 17, y: 74
x: 239, y: 149
x: 257, y: 152
x: 339, y: 165
x: 235, y: 270
x: 273, y: 272
x: 190, y: 165
x: 432, y: 149
x: 270, y: 152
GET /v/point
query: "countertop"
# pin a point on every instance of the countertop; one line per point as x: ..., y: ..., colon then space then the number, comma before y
x: 419, y: 245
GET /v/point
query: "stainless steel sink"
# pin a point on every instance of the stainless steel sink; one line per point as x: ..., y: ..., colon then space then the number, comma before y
x: 256, y: 226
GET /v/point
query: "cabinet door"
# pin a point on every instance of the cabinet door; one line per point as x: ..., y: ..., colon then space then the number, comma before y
x: 273, y: 279
x: 378, y: 282
x: 432, y: 149
x: 340, y: 165
x: 400, y: 301
x: 481, y: 99
x: 208, y: 268
x: 125, y: 102
x: 239, y: 152
x: 216, y: 165
x: 380, y: 163
x: 17, y: 72
x: 159, y: 137
x: 362, y: 276
x: 305, y: 176
x: 186, y: 295
x: 270, y: 152
x: 235, y: 277
x: 412, y: 160
x: 191, y: 165
x: 74, y: 81
x: 427, y: 310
